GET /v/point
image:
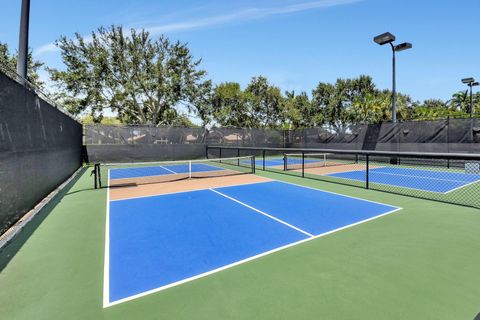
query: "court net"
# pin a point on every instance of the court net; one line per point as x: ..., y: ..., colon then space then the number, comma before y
x: 295, y: 161
x: 131, y: 174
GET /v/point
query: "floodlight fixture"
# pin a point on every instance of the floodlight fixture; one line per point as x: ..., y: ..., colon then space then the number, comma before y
x: 384, y: 38
x: 468, y: 80
x: 389, y: 38
x: 403, y: 46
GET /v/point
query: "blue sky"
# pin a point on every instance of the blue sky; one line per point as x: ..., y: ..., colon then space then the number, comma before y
x: 295, y: 44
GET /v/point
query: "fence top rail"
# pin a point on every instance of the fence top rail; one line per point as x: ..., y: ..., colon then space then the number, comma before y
x: 424, y: 155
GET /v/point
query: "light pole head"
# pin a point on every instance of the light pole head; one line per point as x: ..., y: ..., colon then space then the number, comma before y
x: 474, y: 84
x: 403, y: 46
x: 468, y: 80
x: 384, y: 38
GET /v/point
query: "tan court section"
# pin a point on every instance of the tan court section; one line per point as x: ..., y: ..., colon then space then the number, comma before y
x: 132, y: 191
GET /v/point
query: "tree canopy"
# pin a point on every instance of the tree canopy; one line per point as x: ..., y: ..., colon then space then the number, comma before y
x: 155, y: 81
x: 8, y: 63
x: 144, y: 80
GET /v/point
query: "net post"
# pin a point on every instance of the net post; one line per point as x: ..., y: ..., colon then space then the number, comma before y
x: 324, y: 159
x: 284, y: 161
x: 98, y: 175
x: 238, y: 156
x: 253, y: 164
x: 263, y: 151
x: 367, y: 171
x: 95, y: 176
x: 220, y: 154
x: 303, y: 164
x: 190, y: 169
x: 206, y: 152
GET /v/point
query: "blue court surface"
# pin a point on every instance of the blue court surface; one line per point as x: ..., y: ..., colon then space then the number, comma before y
x: 426, y: 180
x: 161, y: 241
x: 136, y: 172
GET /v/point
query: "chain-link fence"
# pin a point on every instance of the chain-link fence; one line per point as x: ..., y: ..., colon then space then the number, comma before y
x: 146, y: 143
x: 446, y: 177
x: 445, y: 136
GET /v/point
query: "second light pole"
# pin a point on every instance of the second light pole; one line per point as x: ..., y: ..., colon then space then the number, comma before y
x: 385, y: 38
x: 471, y: 83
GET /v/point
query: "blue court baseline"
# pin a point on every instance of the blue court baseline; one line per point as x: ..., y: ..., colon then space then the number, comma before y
x: 426, y: 180
x: 161, y: 241
x: 149, y: 171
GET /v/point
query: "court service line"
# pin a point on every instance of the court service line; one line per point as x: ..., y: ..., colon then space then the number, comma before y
x: 263, y: 213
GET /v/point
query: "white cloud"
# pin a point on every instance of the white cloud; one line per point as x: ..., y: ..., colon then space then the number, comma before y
x: 241, y: 15
x: 47, y: 48
x: 247, y: 14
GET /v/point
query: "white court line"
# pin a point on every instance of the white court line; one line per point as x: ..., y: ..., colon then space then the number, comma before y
x: 419, y: 177
x: 333, y: 175
x: 106, y: 262
x: 338, y: 194
x: 462, y: 186
x: 263, y: 213
x: 169, y: 170
x: 202, y: 275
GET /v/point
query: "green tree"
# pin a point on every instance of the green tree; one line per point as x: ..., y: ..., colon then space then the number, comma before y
x: 431, y: 109
x: 337, y: 102
x: 265, y: 102
x: 460, y: 102
x: 368, y: 108
x: 8, y: 63
x: 297, y: 111
x: 230, y: 106
x: 88, y: 119
x: 143, y: 80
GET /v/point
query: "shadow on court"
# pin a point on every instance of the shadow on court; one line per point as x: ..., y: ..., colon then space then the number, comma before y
x: 11, y: 249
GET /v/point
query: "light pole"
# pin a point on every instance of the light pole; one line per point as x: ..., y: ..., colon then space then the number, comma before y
x: 471, y: 83
x: 385, y: 38
x: 23, y: 41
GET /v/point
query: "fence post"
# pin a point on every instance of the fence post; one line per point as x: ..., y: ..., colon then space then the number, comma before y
x: 263, y: 159
x: 303, y: 164
x: 95, y: 176
x: 367, y: 171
